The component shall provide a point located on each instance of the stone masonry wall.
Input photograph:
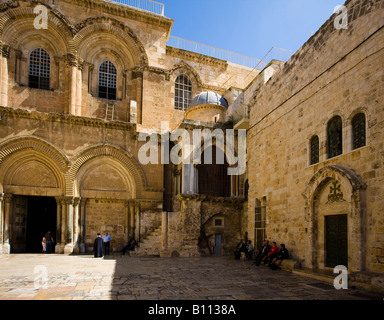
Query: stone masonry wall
(337, 72)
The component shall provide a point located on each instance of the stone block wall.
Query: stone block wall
(335, 73)
(105, 216)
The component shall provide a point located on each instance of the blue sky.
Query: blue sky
(249, 27)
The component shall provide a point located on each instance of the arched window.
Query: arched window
(315, 150)
(335, 137)
(107, 80)
(359, 131)
(39, 69)
(213, 178)
(183, 92)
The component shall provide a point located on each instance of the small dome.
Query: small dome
(209, 97)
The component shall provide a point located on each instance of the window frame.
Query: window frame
(36, 70)
(314, 159)
(183, 92)
(359, 141)
(107, 77)
(334, 132)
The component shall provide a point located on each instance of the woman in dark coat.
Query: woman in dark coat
(98, 247)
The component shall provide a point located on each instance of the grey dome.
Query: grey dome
(209, 97)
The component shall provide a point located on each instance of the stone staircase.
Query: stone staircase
(149, 245)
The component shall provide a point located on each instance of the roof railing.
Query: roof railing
(237, 58)
(210, 51)
(146, 5)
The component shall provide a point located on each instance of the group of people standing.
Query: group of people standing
(102, 245)
(271, 256)
(47, 243)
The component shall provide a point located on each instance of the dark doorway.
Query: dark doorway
(32, 218)
(336, 240)
(213, 177)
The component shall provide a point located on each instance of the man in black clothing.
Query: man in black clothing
(241, 247)
(130, 246)
(263, 252)
(98, 246)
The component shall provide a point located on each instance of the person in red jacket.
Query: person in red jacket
(271, 254)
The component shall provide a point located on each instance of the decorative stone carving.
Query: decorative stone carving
(335, 194)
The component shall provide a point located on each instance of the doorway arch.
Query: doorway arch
(335, 191)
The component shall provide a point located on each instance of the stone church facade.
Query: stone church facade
(76, 96)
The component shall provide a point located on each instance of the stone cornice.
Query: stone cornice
(126, 12)
(204, 198)
(66, 118)
(197, 57)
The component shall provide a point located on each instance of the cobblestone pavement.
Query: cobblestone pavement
(134, 278)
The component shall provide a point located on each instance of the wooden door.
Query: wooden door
(336, 240)
(19, 224)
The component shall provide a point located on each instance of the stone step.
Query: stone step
(150, 245)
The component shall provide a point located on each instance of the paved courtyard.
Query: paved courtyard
(134, 278)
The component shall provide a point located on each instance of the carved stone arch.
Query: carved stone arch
(353, 198)
(105, 177)
(110, 151)
(17, 21)
(17, 144)
(185, 68)
(31, 152)
(363, 110)
(106, 25)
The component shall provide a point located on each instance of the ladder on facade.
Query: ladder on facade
(110, 112)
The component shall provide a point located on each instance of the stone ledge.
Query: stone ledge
(290, 264)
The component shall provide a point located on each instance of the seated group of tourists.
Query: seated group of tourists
(271, 256)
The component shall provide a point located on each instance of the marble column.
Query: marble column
(68, 249)
(132, 218)
(58, 223)
(79, 82)
(7, 214)
(5, 52)
(76, 223)
(82, 225)
(63, 225)
(76, 66)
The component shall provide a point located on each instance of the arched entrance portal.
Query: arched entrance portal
(32, 218)
(335, 213)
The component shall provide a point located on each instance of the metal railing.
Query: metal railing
(146, 5)
(212, 52)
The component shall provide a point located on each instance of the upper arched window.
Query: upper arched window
(213, 178)
(335, 137)
(107, 80)
(359, 131)
(183, 92)
(315, 150)
(39, 69)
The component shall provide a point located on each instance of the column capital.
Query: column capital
(5, 50)
(72, 60)
(7, 198)
(76, 201)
